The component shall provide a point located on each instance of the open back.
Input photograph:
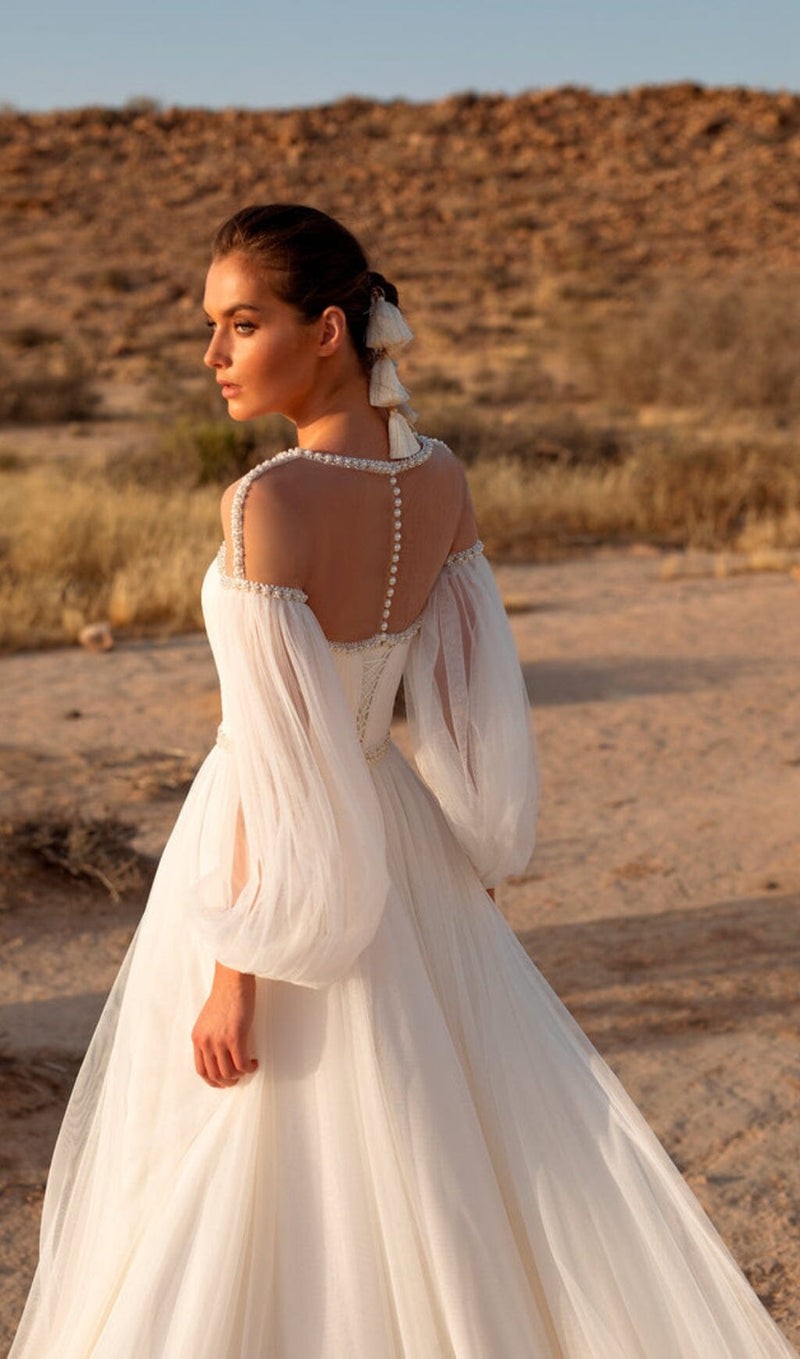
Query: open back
(381, 533)
(377, 534)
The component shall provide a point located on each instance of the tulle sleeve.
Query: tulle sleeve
(471, 731)
(295, 879)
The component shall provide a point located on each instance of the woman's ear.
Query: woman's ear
(334, 330)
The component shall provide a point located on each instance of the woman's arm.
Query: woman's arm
(221, 1034)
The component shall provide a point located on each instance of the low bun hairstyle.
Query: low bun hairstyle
(313, 262)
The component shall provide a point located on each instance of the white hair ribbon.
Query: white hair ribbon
(385, 387)
(387, 330)
(387, 334)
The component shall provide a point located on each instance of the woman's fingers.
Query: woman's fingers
(221, 1034)
(222, 1065)
(225, 1063)
(242, 1063)
(199, 1063)
(207, 1066)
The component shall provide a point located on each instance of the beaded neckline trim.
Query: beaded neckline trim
(387, 467)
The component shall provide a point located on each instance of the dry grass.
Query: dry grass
(75, 549)
(97, 850)
(72, 553)
(717, 346)
(738, 498)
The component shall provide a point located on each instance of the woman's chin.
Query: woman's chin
(238, 410)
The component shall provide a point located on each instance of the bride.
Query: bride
(331, 1110)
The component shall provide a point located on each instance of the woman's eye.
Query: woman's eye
(242, 327)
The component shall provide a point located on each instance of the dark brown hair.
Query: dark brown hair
(313, 261)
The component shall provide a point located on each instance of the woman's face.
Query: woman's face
(264, 352)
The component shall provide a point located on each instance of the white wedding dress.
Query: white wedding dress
(432, 1161)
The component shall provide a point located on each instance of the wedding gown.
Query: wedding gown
(432, 1161)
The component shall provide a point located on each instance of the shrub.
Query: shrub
(715, 347)
(204, 452)
(47, 399)
(562, 438)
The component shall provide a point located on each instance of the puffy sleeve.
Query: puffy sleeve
(294, 878)
(471, 731)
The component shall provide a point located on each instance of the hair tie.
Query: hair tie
(387, 334)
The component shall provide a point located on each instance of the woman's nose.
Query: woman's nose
(213, 357)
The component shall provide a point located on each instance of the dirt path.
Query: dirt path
(661, 904)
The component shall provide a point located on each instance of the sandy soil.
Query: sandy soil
(661, 902)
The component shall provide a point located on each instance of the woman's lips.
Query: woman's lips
(229, 389)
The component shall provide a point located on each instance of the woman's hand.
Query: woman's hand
(221, 1035)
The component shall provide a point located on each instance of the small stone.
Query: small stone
(96, 637)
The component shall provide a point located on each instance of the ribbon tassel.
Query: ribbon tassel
(385, 387)
(387, 329)
(387, 334)
(402, 439)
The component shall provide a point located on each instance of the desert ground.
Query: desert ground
(661, 902)
(604, 291)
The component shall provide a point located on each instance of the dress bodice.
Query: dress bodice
(370, 678)
(370, 670)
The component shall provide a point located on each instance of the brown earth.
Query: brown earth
(480, 207)
(662, 899)
(661, 902)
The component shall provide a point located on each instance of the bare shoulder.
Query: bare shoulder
(273, 531)
(445, 459)
(226, 507)
(454, 482)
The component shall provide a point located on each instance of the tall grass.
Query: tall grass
(737, 498)
(73, 550)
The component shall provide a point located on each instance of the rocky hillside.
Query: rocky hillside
(481, 208)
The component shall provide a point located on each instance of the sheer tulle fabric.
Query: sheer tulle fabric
(469, 720)
(296, 874)
(432, 1161)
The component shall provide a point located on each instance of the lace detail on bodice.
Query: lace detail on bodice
(373, 668)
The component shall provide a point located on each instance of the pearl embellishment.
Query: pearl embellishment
(456, 558)
(390, 468)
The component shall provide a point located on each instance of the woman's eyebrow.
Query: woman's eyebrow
(239, 306)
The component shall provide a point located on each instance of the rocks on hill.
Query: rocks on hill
(467, 202)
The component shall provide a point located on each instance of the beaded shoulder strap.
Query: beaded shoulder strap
(238, 578)
(466, 555)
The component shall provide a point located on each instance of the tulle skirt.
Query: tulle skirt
(432, 1161)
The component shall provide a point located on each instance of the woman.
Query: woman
(331, 1109)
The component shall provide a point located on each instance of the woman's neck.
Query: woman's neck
(358, 431)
